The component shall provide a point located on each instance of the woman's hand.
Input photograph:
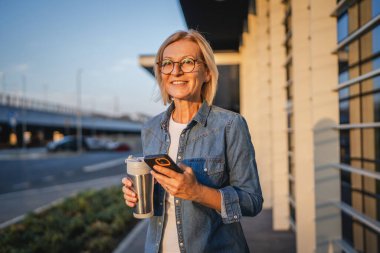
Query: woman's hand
(130, 196)
(183, 186)
(186, 186)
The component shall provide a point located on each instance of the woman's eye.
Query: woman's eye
(187, 61)
(166, 63)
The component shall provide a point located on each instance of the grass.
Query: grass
(92, 221)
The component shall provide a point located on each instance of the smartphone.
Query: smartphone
(162, 160)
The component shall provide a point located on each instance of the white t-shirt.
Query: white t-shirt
(170, 236)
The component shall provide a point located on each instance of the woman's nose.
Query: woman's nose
(177, 70)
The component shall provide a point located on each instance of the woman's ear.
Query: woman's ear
(208, 76)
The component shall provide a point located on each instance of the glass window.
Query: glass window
(344, 93)
(370, 108)
(343, 76)
(342, 26)
(347, 228)
(377, 149)
(344, 112)
(292, 213)
(376, 39)
(376, 79)
(370, 241)
(376, 101)
(360, 103)
(369, 66)
(375, 8)
(345, 150)
(355, 112)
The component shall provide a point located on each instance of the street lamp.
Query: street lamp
(46, 93)
(23, 111)
(2, 74)
(79, 113)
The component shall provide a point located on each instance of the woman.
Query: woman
(199, 210)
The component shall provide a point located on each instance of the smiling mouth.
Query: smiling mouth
(178, 82)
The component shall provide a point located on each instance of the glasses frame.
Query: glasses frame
(180, 66)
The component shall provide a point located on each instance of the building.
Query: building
(308, 78)
(26, 122)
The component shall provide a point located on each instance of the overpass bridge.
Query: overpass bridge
(39, 122)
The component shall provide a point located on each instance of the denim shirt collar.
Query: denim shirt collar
(200, 117)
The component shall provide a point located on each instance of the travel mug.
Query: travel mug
(139, 173)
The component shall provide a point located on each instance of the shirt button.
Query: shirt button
(160, 203)
(235, 216)
(205, 169)
(159, 223)
(179, 157)
(181, 244)
(178, 222)
(167, 140)
(177, 201)
(182, 135)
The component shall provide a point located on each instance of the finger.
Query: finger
(130, 204)
(165, 171)
(126, 181)
(130, 199)
(185, 168)
(168, 187)
(129, 191)
(161, 179)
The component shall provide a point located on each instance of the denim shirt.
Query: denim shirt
(217, 145)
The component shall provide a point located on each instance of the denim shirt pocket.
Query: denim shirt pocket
(209, 171)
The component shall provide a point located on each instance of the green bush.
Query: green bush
(92, 221)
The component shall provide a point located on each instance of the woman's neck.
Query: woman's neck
(185, 110)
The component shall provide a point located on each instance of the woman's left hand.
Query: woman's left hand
(183, 186)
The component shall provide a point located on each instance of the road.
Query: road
(23, 174)
(29, 182)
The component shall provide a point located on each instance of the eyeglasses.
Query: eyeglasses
(187, 65)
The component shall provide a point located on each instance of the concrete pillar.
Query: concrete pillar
(303, 127)
(263, 96)
(325, 115)
(255, 93)
(279, 121)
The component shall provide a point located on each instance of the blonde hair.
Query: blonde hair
(209, 88)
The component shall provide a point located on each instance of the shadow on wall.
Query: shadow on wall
(327, 183)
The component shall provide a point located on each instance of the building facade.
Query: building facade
(313, 69)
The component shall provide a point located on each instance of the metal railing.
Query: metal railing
(292, 201)
(359, 171)
(355, 35)
(341, 7)
(35, 104)
(368, 221)
(358, 79)
(358, 126)
(343, 245)
(292, 224)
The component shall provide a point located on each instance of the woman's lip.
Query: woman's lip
(178, 82)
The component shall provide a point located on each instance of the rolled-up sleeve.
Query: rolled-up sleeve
(243, 196)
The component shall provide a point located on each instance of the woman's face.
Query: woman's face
(180, 85)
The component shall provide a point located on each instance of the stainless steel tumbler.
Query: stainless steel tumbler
(139, 172)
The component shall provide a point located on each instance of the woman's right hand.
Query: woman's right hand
(130, 196)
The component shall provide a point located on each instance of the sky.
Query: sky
(47, 42)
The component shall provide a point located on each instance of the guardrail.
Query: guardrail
(34, 104)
